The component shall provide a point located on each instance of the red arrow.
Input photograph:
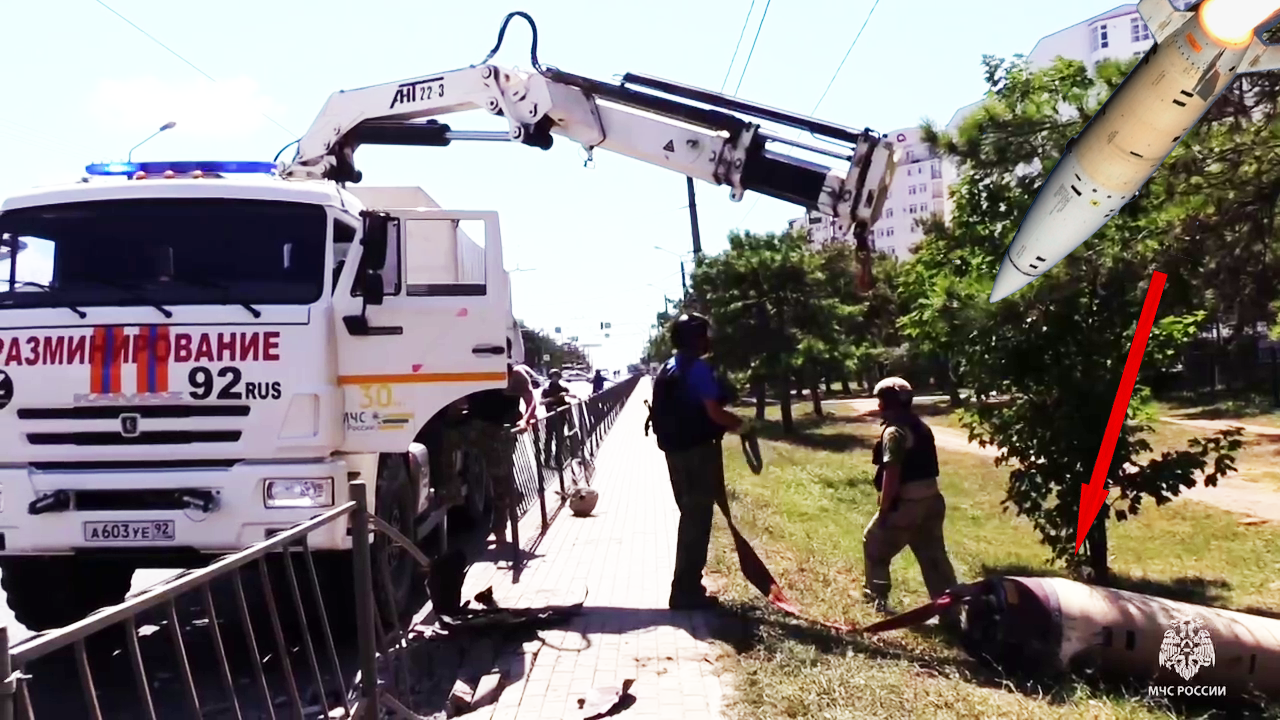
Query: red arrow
(1095, 493)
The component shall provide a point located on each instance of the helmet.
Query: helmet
(896, 389)
(555, 374)
(689, 328)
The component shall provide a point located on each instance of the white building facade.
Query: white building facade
(920, 184)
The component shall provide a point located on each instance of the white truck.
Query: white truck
(194, 356)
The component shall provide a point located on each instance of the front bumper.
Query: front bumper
(238, 516)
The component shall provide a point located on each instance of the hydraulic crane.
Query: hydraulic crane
(695, 132)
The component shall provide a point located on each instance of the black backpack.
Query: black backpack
(678, 421)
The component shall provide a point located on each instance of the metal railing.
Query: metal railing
(303, 656)
(562, 446)
(361, 698)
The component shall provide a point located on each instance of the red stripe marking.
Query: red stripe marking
(163, 350)
(115, 360)
(142, 352)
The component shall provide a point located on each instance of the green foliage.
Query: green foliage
(1054, 351)
(782, 309)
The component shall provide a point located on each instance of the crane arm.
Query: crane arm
(690, 131)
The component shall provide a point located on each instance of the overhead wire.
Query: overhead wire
(743, 33)
(752, 51)
(178, 55)
(830, 83)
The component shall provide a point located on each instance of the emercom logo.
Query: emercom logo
(1187, 648)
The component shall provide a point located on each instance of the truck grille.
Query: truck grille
(129, 432)
(157, 437)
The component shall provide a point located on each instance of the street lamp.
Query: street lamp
(683, 285)
(167, 126)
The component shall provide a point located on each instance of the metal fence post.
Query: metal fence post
(361, 562)
(8, 685)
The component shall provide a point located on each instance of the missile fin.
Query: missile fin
(1261, 58)
(1162, 18)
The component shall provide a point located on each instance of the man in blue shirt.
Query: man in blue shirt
(689, 419)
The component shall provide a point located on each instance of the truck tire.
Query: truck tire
(46, 593)
(397, 505)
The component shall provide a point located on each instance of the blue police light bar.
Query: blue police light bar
(180, 168)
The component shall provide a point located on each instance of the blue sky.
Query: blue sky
(80, 85)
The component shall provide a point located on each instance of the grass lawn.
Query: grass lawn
(805, 515)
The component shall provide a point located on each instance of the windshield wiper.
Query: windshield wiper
(136, 295)
(46, 288)
(213, 284)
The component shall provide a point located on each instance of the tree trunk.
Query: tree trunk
(950, 384)
(784, 399)
(844, 387)
(817, 399)
(829, 384)
(761, 390)
(1097, 543)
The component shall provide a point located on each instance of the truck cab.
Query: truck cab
(194, 356)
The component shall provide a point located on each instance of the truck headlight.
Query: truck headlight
(297, 492)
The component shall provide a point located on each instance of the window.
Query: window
(888, 212)
(923, 188)
(1138, 30)
(888, 232)
(937, 189)
(911, 156)
(168, 252)
(1102, 36)
(911, 209)
(1093, 39)
(442, 259)
(911, 190)
(936, 173)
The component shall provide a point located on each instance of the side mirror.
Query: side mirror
(375, 240)
(371, 288)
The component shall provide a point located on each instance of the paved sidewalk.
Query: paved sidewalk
(624, 556)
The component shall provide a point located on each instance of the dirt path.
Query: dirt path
(1257, 502)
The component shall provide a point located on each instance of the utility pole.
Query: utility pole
(693, 223)
(683, 285)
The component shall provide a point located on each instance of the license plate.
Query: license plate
(130, 531)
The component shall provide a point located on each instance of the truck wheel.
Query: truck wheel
(49, 593)
(396, 505)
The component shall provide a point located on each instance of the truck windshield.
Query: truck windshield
(162, 252)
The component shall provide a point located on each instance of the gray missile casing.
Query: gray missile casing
(1047, 625)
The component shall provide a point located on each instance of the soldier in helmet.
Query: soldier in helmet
(689, 419)
(912, 509)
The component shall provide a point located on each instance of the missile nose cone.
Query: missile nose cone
(1009, 280)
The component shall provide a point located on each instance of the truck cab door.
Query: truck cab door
(421, 314)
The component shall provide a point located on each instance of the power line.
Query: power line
(745, 22)
(183, 59)
(825, 91)
(752, 51)
(846, 57)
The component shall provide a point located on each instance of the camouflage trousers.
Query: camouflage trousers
(497, 446)
(916, 523)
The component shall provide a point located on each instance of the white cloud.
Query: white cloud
(232, 107)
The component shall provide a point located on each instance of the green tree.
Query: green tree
(1052, 354)
(779, 309)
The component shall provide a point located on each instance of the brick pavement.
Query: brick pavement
(623, 556)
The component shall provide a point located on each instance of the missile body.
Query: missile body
(1049, 625)
(1121, 147)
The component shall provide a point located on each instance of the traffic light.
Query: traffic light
(557, 330)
